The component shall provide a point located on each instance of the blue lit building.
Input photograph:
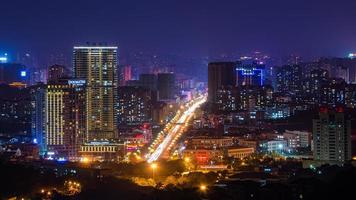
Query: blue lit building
(38, 125)
(250, 75)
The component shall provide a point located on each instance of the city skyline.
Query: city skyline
(173, 99)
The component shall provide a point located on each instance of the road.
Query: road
(175, 130)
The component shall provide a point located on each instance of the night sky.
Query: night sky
(186, 27)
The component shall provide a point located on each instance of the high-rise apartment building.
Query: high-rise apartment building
(332, 136)
(135, 105)
(166, 85)
(98, 66)
(220, 74)
(148, 81)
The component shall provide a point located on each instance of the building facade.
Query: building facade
(97, 65)
(332, 136)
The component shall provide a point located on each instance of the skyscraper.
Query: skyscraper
(148, 81)
(220, 74)
(332, 136)
(58, 122)
(98, 65)
(166, 86)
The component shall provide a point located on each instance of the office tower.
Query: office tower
(57, 72)
(135, 105)
(166, 86)
(332, 136)
(250, 75)
(59, 120)
(220, 74)
(148, 81)
(289, 79)
(97, 66)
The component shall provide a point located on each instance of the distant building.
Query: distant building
(297, 139)
(57, 72)
(209, 142)
(227, 99)
(220, 74)
(289, 79)
(332, 136)
(135, 105)
(278, 111)
(250, 75)
(166, 86)
(148, 81)
(275, 145)
(125, 74)
(240, 152)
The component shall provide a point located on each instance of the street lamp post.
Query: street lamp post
(153, 167)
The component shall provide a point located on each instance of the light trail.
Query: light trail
(173, 133)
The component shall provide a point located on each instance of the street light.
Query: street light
(203, 188)
(153, 167)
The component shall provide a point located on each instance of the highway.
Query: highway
(175, 130)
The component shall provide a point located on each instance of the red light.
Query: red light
(323, 110)
(340, 109)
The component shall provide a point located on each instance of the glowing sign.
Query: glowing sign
(23, 74)
(352, 55)
(3, 59)
(76, 82)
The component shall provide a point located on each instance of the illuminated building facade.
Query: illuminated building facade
(250, 75)
(332, 136)
(59, 120)
(134, 105)
(289, 79)
(101, 150)
(98, 65)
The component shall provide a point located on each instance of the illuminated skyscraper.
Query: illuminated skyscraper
(59, 120)
(98, 65)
